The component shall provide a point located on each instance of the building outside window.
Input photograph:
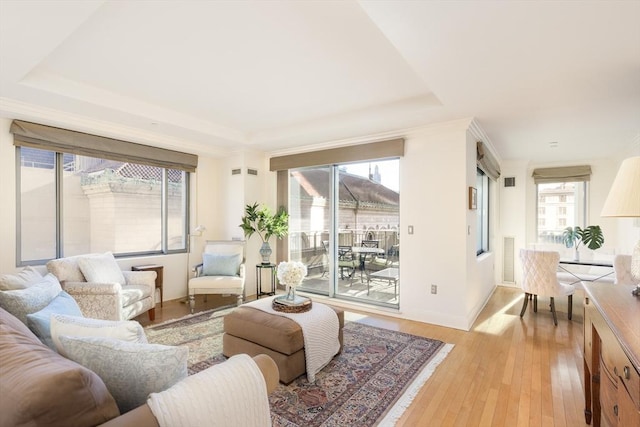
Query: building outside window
(560, 205)
(72, 204)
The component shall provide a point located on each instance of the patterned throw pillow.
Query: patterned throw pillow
(101, 269)
(130, 371)
(220, 265)
(40, 321)
(74, 326)
(21, 302)
(23, 279)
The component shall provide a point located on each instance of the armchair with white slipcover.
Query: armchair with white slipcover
(222, 271)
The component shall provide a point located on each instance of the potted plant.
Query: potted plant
(260, 220)
(590, 236)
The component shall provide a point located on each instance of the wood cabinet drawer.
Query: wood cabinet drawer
(628, 412)
(608, 398)
(627, 377)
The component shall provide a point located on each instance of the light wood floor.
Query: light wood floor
(506, 371)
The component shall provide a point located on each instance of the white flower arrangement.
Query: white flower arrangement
(291, 273)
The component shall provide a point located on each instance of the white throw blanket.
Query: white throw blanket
(320, 327)
(233, 393)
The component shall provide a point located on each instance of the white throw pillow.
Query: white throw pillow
(21, 280)
(37, 296)
(130, 371)
(101, 269)
(74, 326)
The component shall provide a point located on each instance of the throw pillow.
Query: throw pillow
(23, 279)
(21, 302)
(220, 265)
(73, 326)
(131, 371)
(40, 321)
(40, 387)
(101, 269)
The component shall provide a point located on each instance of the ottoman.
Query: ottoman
(252, 331)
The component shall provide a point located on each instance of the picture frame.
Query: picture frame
(473, 198)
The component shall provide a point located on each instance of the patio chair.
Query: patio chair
(540, 268)
(347, 261)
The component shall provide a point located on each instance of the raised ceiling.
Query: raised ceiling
(220, 76)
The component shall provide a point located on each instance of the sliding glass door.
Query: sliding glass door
(344, 223)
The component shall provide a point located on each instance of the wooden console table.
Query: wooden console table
(611, 355)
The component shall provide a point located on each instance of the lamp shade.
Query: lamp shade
(624, 197)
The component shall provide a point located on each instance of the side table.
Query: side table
(272, 272)
(159, 273)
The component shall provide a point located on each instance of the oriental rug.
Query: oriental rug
(371, 382)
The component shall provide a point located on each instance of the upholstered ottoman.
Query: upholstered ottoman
(252, 331)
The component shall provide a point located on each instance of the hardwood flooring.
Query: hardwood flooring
(506, 371)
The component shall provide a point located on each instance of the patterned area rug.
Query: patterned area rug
(371, 382)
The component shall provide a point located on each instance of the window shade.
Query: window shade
(562, 174)
(486, 162)
(67, 141)
(353, 153)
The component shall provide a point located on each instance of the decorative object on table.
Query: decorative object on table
(259, 219)
(291, 274)
(590, 236)
(623, 202)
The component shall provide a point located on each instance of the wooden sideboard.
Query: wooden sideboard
(611, 355)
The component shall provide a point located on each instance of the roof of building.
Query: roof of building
(352, 188)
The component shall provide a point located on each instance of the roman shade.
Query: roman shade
(353, 153)
(562, 174)
(33, 135)
(487, 162)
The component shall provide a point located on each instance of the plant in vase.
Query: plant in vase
(590, 236)
(291, 274)
(261, 221)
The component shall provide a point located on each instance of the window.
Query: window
(344, 224)
(72, 204)
(482, 185)
(568, 208)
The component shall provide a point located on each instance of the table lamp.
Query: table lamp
(624, 201)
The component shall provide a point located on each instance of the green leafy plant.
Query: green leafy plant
(260, 220)
(590, 236)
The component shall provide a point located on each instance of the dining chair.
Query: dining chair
(540, 268)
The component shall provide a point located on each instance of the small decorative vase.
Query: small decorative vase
(576, 255)
(291, 293)
(265, 252)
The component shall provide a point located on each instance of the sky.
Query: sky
(389, 171)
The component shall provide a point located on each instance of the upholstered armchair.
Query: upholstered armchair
(222, 271)
(102, 290)
(540, 268)
(622, 270)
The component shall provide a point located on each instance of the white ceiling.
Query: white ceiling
(219, 76)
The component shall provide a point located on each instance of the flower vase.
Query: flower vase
(265, 252)
(576, 255)
(291, 293)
